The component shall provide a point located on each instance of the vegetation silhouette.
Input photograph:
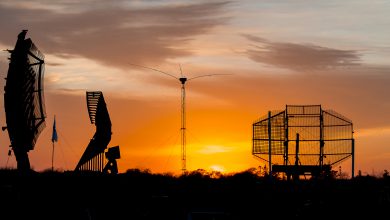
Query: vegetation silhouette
(140, 194)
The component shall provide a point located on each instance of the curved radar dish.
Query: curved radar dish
(23, 99)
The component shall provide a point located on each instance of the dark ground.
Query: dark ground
(141, 195)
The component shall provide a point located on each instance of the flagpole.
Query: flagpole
(52, 158)
(54, 138)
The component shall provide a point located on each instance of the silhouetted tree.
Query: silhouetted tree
(385, 173)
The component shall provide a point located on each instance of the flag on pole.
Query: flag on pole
(54, 137)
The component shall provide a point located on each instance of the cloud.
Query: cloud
(299, 56)
(360, 93)
(115, 34)
(213, 149)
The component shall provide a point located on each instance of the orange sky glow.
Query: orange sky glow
(333, 53)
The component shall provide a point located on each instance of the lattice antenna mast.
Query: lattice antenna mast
(183, 128)
(183, 142)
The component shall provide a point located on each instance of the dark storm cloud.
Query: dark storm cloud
(114, 35)
(300, 56)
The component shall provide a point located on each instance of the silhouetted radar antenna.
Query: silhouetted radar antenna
(182, 80)
(24, 99)
(93, 156)
(303, 139)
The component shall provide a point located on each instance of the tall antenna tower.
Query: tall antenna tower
(182, 79)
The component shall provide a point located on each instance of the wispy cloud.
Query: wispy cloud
(213, 149)
(116, 34)
(299, 56)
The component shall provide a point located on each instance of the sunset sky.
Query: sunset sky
(334, 53)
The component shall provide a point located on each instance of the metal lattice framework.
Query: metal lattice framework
(23, 98)
(93, 156)
(303, 135)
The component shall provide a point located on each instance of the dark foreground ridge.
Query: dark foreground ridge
(142, 195)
